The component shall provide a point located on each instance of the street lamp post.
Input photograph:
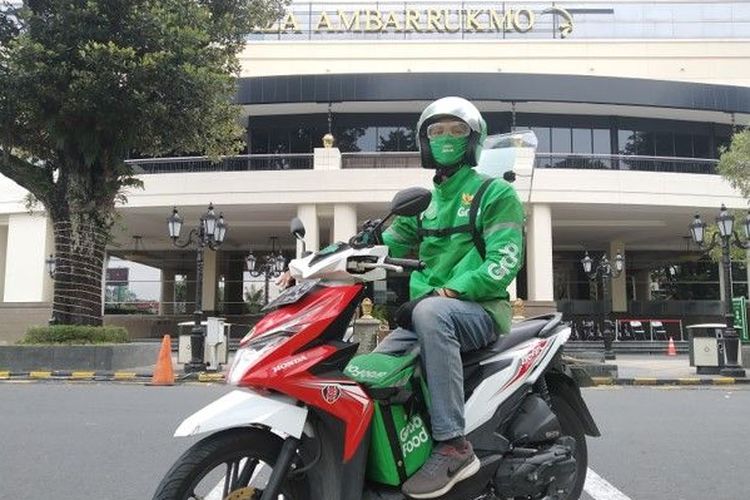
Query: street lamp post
(726, 237)
(210, 233)
(51, 262)
(605, 271)
(272, 266)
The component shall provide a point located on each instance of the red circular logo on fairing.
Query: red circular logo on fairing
(331, 393)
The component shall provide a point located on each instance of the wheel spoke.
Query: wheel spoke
(247, 472)
(228, 480)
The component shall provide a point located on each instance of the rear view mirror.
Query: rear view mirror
(297, 228)
(411, 201)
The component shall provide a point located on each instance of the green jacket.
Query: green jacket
(453, 261)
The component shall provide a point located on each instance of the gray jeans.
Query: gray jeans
(444, 328)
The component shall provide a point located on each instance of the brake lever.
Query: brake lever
(378, 265)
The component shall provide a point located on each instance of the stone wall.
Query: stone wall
(144, 326)
(17, 317)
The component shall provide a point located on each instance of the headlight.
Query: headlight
(246, 357)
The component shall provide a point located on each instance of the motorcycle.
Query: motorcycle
(314, 421)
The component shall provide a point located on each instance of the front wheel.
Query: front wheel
(229, 465)
(571, 426)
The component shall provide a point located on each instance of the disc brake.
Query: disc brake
(246, 493)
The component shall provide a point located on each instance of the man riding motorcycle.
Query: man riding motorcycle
(471, 241)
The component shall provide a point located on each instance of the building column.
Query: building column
(643, 285)
(208, 291)
(344, 221)
(166, 299)
(513, 290)
(29, 243)
(3, 246)
(619, 290)
(539, 255)
(722, 295)
(234, 301)
(308, 214)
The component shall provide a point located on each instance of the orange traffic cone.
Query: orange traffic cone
(163, 371)
(671, 351)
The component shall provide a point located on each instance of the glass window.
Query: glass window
(601, 144)
(722, 141)
(645, 143)
(278, 141)
(300, 140)
(355, 139)
(663, 144)
(259, 140)
(396, 139)
(543, 138)
(626, 142)
(582, 141)
(701, 147)
(561, 140)
(683, 145)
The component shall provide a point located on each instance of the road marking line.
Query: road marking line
(599, 488)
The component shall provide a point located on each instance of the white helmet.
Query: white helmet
(455, 107)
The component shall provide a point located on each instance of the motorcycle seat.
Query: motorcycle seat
(520, 332)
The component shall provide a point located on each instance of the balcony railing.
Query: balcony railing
(410, 159)
(237, 163)
(385, 159)
(626, 162)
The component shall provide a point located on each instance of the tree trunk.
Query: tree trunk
(79, 255)
(81, 229)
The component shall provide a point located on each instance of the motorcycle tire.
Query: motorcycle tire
(205, 455)
(571, 426)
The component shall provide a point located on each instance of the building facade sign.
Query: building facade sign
(421, 20)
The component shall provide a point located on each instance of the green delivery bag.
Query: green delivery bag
(400, 438)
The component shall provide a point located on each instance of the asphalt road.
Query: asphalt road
(106, 441)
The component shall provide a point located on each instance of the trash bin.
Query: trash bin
(215, 344)
(706, 346)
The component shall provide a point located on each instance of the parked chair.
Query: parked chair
(658, 331)
(638, 332)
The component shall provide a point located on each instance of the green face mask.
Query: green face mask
(448, 150)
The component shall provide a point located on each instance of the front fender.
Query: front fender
(245, 408)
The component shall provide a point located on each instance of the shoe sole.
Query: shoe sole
(466, 472)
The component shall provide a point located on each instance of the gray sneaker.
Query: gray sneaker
(445, 467)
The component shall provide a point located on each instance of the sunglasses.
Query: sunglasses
(454, 129)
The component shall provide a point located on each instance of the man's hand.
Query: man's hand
(448, 293)
(285, 280)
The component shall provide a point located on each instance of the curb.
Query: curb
(89, 376)
(651, 381)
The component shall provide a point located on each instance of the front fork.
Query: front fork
(280, 468)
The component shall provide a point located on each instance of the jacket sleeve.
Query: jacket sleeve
(501, 222)
(401, 236)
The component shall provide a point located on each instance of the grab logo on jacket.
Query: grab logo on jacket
(510, 258)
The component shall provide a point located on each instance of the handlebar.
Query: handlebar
(417, 265)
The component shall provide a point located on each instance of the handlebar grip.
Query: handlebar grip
(406, 263)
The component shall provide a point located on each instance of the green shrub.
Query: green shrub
(75, 334)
